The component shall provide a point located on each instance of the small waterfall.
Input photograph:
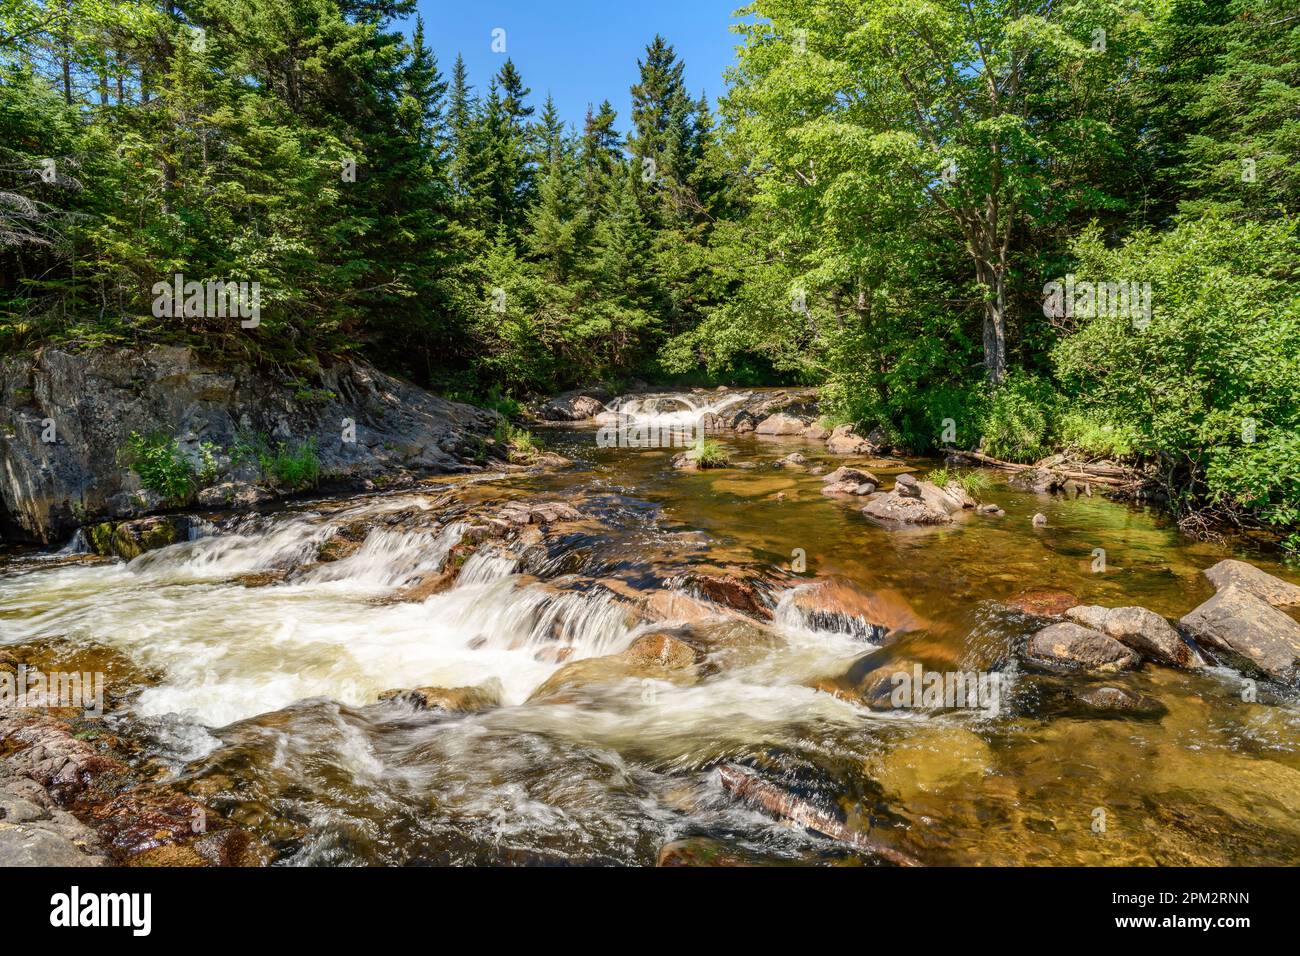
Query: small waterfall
(389, 559)
(675, 419)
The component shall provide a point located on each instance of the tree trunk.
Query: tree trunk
(994, 278)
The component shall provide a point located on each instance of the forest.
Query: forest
(1013, 225)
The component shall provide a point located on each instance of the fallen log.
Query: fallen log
(1112, 475)
(753, 789)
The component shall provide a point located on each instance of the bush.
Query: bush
(518, 442)
(1090, 435)
(972, 482)
(160, 464)
(289, 466)
(1016, 423)
(1209, 386)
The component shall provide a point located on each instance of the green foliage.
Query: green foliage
(161, 466)
(974, 483)
(1087, 433)
(1017, 422)
(1208, 387)
(292, 466)
(519, 442)
(709, 453)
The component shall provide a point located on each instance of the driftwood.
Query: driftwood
(753, 789)
(1113, 475)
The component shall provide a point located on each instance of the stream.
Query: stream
(260, 668)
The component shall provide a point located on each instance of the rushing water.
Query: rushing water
(263, 698)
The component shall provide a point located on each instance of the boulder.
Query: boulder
(781, 424)
(130, 539)
(661, 649)
(1040, 480)
(1069, 646)
(912, 502)
(849, 481)
(845, 441)
(574, 406)
(1263, 585)
(1144, 631)
(795, 459)
(729, 590)
(1249, 631)
(837, 605)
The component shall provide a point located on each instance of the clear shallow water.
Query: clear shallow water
(265, 703)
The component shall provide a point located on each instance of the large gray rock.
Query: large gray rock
(912, 502)
(1069, 646)
(782, 424)
(844, 440)
(574, 406)
(1140, 629)
(95, 399)
(35, 832)
(1263, 585)
(1251, 632)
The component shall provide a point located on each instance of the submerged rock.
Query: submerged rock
(1120, 701)
(1144, 631)
(1250, 631)
(451, 700)
(661, 658)
(1043, 601)
(1070, 646)
(751, 788)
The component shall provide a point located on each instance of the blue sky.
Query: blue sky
(582, 51)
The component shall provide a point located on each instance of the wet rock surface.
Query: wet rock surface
(1144, 631)
(1067, 645)
(1249, 631)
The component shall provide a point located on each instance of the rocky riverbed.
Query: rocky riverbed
(615, 660)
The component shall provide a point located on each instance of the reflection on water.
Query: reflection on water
(265, 707)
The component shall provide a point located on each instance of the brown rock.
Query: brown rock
(1263, 585)
(1043, 601)
(451, 700)
(781, 424)
(1253, 633)
(1069, 646)
(845, 441)
(1144, 631)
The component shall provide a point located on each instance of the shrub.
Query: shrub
(972, 482)
(160, 464)
(1209, 384)
(1091, 435)
(1017, 421)
(289, 466)
(518, 442)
